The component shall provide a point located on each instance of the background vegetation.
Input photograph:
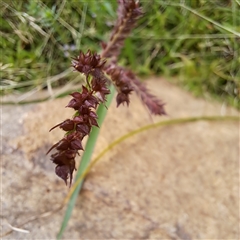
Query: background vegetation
(195, 43)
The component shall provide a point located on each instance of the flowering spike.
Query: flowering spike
(128, 13)
(85, 102)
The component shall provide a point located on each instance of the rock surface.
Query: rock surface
(175, 182)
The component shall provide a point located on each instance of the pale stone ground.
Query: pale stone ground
(176, 182)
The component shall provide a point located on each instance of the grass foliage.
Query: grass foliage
(196, 40)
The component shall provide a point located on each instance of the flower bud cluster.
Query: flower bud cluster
(85, 104)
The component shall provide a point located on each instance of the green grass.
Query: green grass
(197, 43)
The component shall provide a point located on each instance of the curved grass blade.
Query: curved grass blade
(137, 131)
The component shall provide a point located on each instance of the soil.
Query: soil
(175, 182)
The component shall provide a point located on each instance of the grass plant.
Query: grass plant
(39, 37)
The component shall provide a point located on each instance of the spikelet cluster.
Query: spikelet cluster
(100, 71)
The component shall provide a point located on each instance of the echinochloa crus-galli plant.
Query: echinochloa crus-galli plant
(100, 71)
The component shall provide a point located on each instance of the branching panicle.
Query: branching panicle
(85, 103)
